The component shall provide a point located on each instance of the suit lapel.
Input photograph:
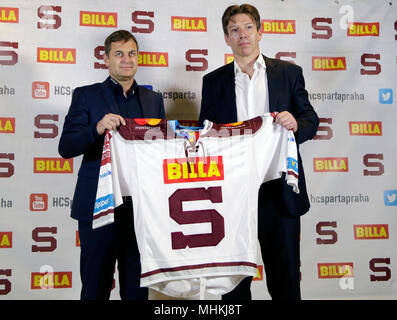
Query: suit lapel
(144, 102)
(230, 88)
(272, 83)
(109, 98)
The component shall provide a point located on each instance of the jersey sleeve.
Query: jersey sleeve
(292, 174)
(276, 153)
(108, 194)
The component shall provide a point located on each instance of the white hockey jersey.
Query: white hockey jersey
(195, 196)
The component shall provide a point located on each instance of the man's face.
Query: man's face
(122, 61)
(243, 37)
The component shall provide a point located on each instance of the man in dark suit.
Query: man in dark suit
(94, 109)
(250, 86)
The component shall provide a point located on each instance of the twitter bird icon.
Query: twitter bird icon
(385, 96)
(390, 197)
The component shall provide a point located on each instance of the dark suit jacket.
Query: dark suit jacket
(286, 93)
(79, 137)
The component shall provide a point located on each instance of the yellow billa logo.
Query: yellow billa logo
(51, 280)
(56, 55)
(328, 63)
(331, 164)
(362, 29)
(153, 59)
(52, 165)
(229, 58)
(335, 270)
(199, 169)
(5, 240)
(371, 231)
(98, 19)
(278, 26)
(198, 24)
(365, 128)
(9, 15)
(7, 125)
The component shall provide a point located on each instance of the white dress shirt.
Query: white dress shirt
(252, 95)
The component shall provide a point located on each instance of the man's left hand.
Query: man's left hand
(287, 120)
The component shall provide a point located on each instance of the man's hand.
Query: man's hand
(110, 122)
(287, 120)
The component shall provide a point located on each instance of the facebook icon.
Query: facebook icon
(385, 96)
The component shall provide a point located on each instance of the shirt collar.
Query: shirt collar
(116, 87)
(259, 63)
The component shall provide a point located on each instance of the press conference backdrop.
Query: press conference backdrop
(348, 53)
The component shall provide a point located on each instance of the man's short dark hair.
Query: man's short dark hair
(236, 9)
(119, 35)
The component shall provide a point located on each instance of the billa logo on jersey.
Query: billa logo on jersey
(52, 165)
(5, 240)
(259, 273)
(198, 24)
(335, 270)
(328, 63)
(229, 58)
(9, 15)
(278, 26)
(98, 19)
(362, 29)
(51, 280)
(56, 55)
(153, 59)
(38, 202)
(371, 231)
(331, 164)
(365, 128)
(199, 169)
(7, 125)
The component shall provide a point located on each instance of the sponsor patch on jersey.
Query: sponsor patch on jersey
(292, 164)
(147, 121)
(104, 203)
(196, 169)
(234, 124)
(105, 174)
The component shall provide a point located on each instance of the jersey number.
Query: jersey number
(181, 241)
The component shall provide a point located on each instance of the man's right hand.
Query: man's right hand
(110, 122)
